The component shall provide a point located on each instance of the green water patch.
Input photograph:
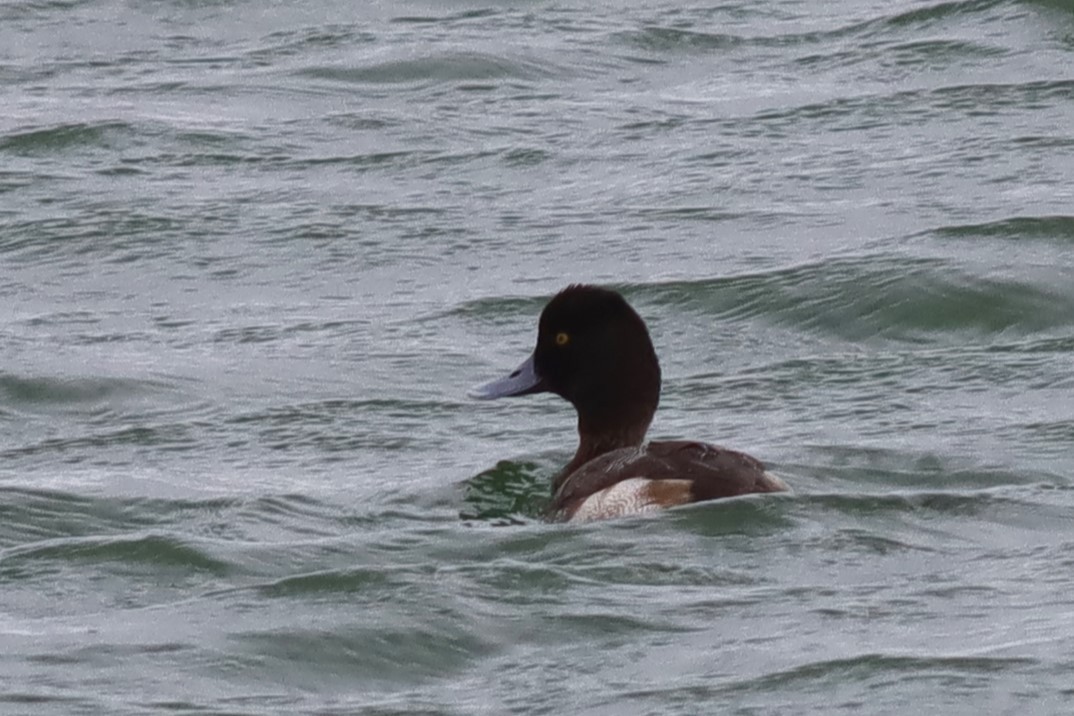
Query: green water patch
(52, 393)
(508, 493)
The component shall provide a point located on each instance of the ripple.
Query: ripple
(465, 15)
(873, 666)
(389, 651)
(30, 515)
(668, 39)
(362, 580)
(444, 67)
(178, 437)
(32, 519)
(913, 54)
(287, 43)
(62, 138)
(915, 106)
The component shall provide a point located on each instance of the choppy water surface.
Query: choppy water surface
(253, 254)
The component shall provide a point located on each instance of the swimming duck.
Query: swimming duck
(594, 351)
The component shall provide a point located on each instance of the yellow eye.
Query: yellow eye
(562, 339)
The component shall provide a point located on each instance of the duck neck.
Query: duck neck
(594, 443)
(591, 445)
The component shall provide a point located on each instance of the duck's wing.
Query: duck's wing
(699, 471)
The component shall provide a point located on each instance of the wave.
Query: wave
(1058, 228)
(159, 550)
(33, 515)
(878, 295)
(858, 297)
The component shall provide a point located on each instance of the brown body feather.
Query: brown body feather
(711, 471)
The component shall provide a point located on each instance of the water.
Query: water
(252, 255)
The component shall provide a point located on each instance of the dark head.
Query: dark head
(593, 350)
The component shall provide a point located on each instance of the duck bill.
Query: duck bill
(523, 380)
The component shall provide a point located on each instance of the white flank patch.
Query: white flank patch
(629, 497)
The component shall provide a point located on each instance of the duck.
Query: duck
(594, 351)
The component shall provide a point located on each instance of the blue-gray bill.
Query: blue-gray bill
(523, 380)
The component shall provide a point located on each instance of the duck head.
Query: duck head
(594, 351)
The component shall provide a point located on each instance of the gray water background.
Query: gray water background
(253, 254)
